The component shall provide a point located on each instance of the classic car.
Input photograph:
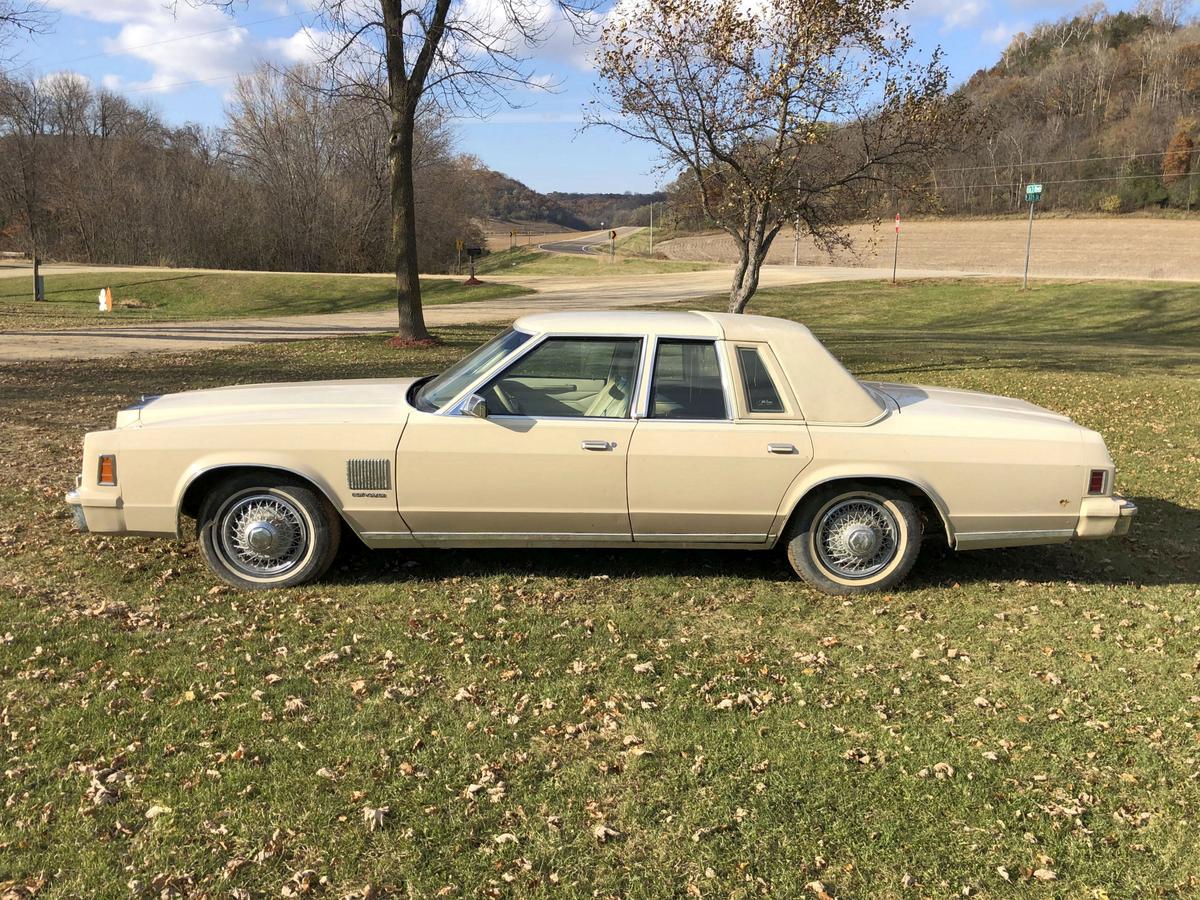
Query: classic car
(603, 429)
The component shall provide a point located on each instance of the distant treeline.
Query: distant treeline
(296, 179)
(502, 197)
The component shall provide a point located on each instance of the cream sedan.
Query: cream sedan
(614, 429)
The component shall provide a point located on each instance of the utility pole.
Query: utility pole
(796, 242)
(651, 227)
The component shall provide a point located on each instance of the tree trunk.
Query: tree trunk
(754, 245)
(411, 325)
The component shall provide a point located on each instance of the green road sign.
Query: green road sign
(1033, 192)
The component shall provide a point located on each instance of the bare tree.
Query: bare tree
(24, 111)
(779, 111)
(462, 56)
(21, 17)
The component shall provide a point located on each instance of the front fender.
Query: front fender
(276, 461)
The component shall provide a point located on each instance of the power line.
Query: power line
(175, 84)
(1018, 184)
(1051, 162)
(183, 37)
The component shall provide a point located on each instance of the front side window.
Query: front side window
(568, 377)
(445, 387)
(761, 396)
(687, 381)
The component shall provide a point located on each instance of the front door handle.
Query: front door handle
(596, 445)
(784, 449)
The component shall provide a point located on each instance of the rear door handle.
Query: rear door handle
(783, 449)
(597, 445)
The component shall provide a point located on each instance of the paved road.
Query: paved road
(584, 244)
(553, 293)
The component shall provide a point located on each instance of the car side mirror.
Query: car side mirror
(475, 406)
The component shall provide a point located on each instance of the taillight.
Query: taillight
(106, 472)
(1096, 481)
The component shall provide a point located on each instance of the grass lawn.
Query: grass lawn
(141, 296)
(521, 261)
(637, 243)
(644, 723)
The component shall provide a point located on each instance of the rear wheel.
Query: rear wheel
(259, 531)
(855, 538)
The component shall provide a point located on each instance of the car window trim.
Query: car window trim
(455, 402)
(722, 367)
(750, 411)
(532, 345)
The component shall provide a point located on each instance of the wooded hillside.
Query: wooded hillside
(1101, 108)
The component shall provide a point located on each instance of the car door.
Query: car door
(703, 467)
(547, 464)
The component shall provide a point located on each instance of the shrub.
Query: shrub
(1110, 203)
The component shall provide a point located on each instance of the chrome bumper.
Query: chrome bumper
(76, 505)
(1102, 517)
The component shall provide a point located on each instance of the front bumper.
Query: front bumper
(96, 510)
(1102, 517)
(76, 506)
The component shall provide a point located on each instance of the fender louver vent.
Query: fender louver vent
(369, 474)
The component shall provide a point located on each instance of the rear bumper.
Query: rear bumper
(1102, 517)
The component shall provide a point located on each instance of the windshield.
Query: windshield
(439, 391)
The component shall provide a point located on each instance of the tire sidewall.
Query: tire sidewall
(802, 542)
(319, 522)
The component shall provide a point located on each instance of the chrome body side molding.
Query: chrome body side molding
(984, 540)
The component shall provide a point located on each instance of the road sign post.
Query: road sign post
(473, 253)
(896, 251)
(1033, 193)
(612, 245)
(458, 248)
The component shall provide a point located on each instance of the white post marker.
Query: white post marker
(1033, 193)
(896, 252)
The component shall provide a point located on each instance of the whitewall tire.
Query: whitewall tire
(853, 538)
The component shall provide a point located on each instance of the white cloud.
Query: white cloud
(1000, 34)
(179, 42)
(112, 82)
(951, 14)
(302, 47)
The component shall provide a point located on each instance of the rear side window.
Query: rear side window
(761, 395)
(687, 381)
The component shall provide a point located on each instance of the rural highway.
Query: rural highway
(582, 244)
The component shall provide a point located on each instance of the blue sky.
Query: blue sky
(183, 62)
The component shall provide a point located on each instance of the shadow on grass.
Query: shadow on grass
(95, 289)
(1157, 552)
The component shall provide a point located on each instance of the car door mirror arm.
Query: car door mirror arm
(475, 406)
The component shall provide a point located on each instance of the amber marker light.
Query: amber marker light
(106, 472)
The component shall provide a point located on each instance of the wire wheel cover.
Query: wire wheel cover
(262, 535)
(857, 538)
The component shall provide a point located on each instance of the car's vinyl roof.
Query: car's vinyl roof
(676, 323)
(672, 322)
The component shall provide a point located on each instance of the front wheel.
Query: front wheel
(855, 538)
(259, 532)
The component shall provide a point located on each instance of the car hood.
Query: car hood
(315, 401)
(921, 399)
